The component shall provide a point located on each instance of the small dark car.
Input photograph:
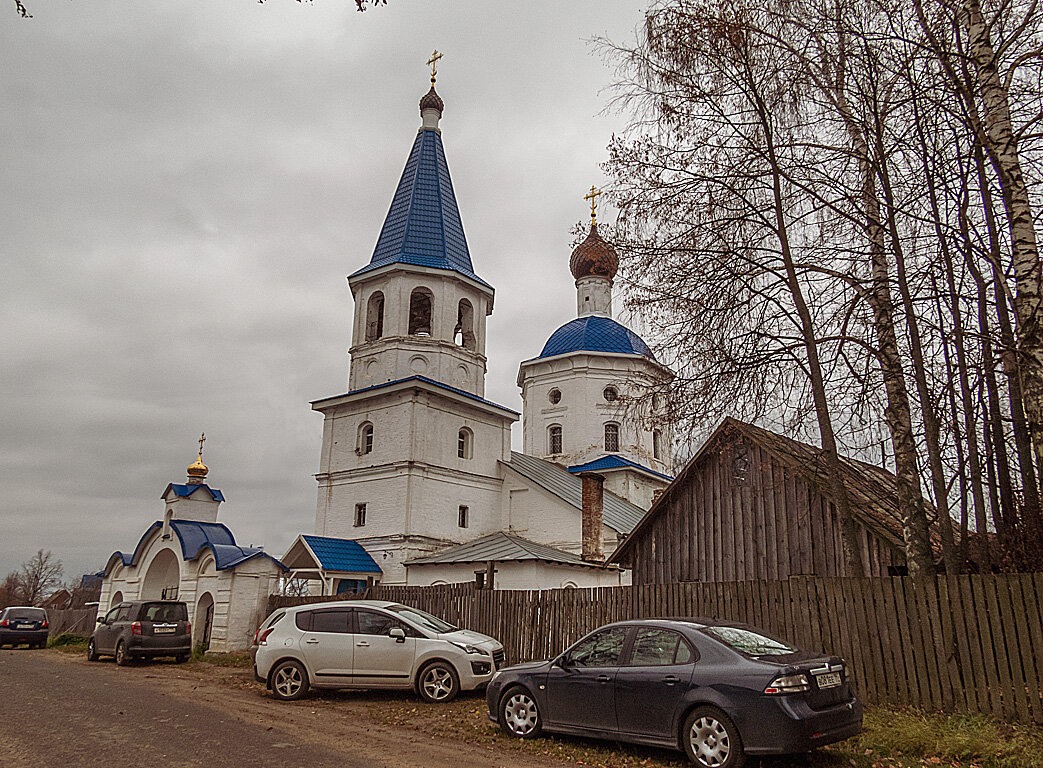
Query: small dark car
(143, 628)
(716, 690)
(20, 625)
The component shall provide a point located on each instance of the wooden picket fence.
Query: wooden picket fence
(964, 643)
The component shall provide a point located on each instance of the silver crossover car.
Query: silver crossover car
(370, 644)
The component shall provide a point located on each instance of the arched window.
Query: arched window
(657, 444)
(375, 317)
(464, 332)
(554, 438)
(611, 437)
(365, 439)
(464, 440)
(421, 303)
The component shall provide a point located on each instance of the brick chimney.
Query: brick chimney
(593, 516)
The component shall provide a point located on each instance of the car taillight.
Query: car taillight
(45, 624)
(3, 622)
(135, 628)
(188, 627)
(788, 684)
(262, 637)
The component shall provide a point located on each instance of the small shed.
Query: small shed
(753, 504)
(338, 565)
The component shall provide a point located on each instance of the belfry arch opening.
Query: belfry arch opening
(375, 317)
(463, 334)
(421, 305)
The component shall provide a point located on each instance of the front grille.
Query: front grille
(498, 658)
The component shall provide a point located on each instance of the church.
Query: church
(416, 465)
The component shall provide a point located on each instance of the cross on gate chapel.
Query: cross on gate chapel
(417, 482)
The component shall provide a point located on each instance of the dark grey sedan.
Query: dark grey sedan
(716, 690)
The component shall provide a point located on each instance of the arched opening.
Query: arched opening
(421, 304)
(206, 567)
(116, 600)
(375, 317)
(554, 438)
(163, 577)
(657, 444)
(365, 444)
(464, 443)
(204, 622)
(463, 334)
(611, 437)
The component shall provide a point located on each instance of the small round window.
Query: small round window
(554, 396)
(611, 394)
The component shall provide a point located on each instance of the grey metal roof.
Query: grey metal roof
(620, 515)
(501, 547)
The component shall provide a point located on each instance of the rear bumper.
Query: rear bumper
(792, 726)
(17, 637)
(159, 646)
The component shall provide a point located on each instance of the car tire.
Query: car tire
(289, 680)
(122, 657)
(520, 714)
(92, 650)
(711, 740)
(438, 682)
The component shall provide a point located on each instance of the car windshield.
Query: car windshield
(421, 619)
(164, 612)
(749, 642)
(27, 614)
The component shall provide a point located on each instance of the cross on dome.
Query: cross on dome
(592, 197)
(197, 470)
(433, 61)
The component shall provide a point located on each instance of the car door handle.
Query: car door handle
(604, 678)
(671, 680)
(362, 644)
(312, 641)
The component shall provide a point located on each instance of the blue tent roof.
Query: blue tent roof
(188, 490)
(345, 555)
(613, 462)
(595, 333)
(423, 226)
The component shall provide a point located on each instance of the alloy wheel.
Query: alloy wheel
(288, 681)
(438, 683)
(710, 741)
(520, 714)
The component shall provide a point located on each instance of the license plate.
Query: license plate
(25, 626)
(829, 680)
(164, 630)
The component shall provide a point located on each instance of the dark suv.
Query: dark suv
(143, 628)
(23, 625)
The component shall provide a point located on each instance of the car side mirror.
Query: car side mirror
(398, 633)
(101, 620)
(562, 661)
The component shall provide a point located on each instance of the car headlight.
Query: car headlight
(469, 649)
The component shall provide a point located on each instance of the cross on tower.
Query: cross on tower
(433, 61)
(592, 197)
(202, 439)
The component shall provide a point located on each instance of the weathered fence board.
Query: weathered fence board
(965, 643)
(76, 621)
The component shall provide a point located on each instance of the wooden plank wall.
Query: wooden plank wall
(969, 643)
(75, 621)
(767, 523)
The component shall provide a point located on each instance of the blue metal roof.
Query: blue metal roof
(438, 384)
(595, 333)
(613, 462)
(423, 226)
(187, 490)
(345, 555)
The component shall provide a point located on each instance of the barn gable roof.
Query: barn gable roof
(872, 489)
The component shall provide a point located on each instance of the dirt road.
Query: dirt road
(57, 711)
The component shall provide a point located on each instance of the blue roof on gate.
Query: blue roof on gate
(595, 333)
(423, 226)
(345, 555)
(613, 462)
(187, 490)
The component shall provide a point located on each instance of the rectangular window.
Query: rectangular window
(611, 437)
(555, 439)
(360, 515)
(462, 520)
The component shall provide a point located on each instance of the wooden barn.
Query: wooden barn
(752, 504)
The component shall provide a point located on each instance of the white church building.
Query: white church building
(416, 464)
(189, 556)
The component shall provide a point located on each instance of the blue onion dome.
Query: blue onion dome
(431, 100)
(595, 333)
(594, 256)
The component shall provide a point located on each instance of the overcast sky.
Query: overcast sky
(185, 188)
